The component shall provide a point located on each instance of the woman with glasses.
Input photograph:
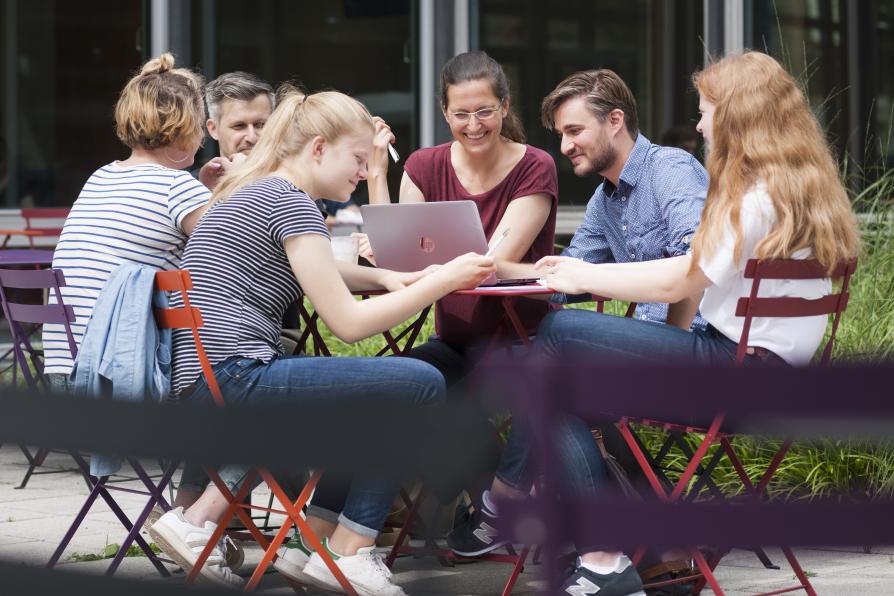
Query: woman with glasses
(513, 184)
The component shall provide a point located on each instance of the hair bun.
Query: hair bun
(163, 63)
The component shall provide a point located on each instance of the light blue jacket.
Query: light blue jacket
(123, 355)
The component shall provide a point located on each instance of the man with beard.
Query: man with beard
(239, 104)
(651, 197)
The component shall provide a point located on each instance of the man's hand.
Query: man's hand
(564, 274)
(214, 170)
(397, 280)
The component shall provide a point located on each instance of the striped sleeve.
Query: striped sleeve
(186, 194)
(294, 213)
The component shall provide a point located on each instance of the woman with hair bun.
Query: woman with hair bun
(139, 210)
(262, 246)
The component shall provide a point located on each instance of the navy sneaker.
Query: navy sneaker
(583, 582)
(477, 535)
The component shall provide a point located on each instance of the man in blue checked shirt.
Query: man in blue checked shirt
(650, 202)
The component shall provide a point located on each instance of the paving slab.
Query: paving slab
(33, 520)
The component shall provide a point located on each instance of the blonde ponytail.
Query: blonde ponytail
(297, 119)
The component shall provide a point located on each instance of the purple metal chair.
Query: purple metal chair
(102, 486)
(26, 357)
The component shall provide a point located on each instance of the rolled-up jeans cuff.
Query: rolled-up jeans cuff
(234, 475)
(519, 485)
(355, 527)
(322, 513)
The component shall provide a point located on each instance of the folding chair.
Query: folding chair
(25, 356)
(748, 307)
(189, 317)
(36, 224)
(101, 486)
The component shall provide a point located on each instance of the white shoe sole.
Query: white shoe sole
(324, 586)
(484, 551)
(166, 539)
(293, 572)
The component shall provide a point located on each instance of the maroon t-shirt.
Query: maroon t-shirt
(461, 320)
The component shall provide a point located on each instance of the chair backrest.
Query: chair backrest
(185, 317)
(789, 306)
(36, 218)
(17, 312)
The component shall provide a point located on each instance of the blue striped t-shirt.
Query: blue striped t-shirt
(242, 280)
(124, 214)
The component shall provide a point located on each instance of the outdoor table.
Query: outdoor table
(24, 257)
(392, 345)
(506, 294)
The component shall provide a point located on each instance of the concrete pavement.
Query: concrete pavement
(33, 521)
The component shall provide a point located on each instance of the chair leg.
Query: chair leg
(517, 570)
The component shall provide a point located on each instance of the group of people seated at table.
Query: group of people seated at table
(659, 230)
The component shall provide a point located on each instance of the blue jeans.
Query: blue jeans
(573, 333)
(321, 381)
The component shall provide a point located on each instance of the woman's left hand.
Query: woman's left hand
(564, 274)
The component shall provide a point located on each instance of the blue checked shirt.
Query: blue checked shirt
(652, 214)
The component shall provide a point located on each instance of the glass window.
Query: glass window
(540, 43)
(58, 93)
(360, 48)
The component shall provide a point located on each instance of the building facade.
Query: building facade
(65, 62)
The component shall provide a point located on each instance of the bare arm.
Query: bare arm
(525, 218)
(661, 280)
(372, 278)
(680, 314)
(191, 220)
(350, 320)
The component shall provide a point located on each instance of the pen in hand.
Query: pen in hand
(393, 153)
(490, 251)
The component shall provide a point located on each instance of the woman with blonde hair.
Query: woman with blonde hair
(261, 247)
(140, 210)
(774, 193)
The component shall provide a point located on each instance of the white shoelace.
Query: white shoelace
(380, 566)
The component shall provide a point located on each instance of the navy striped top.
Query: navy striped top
(124, 214)
(242, 280)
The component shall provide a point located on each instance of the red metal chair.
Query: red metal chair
(714, 434)
(189, 317)
(39, 223)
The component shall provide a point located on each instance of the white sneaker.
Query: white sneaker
(184, 542)
(291, 558)
(366, 571)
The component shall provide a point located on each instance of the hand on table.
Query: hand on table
(467, 271)
(563, 274)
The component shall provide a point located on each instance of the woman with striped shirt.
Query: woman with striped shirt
(139, 210)
(262, 246)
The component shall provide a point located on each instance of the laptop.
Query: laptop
(412, 236)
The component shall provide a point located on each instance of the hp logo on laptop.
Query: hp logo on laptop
(427, 244)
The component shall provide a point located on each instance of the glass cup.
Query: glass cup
(345, 248)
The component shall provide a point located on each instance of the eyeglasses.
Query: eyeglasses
(481, 115)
